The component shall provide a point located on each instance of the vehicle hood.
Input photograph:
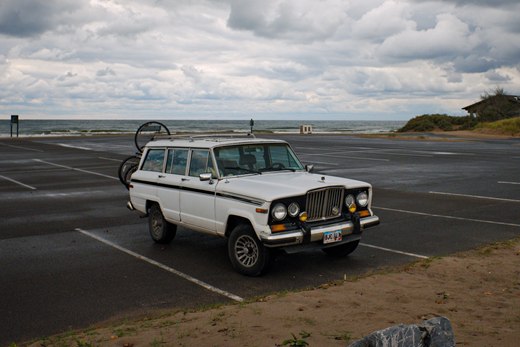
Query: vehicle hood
(277, 185)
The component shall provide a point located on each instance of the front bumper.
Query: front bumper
(316, 234)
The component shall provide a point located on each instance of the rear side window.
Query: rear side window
(177, 159)
(201, 162)
(154, 160)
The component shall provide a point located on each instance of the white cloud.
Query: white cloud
(450, 37)
(389, 19)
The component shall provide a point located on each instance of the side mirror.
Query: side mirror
(205, 176)
(309, 167)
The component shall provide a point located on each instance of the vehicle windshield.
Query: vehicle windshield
(255, 158)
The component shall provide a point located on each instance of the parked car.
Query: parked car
(254, 192)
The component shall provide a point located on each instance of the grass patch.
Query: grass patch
(510, 126)
(297, 341)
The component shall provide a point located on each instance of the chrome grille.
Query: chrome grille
(324, 203)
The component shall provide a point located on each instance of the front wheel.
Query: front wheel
(247, 254)
(341, 250)
(160, 230)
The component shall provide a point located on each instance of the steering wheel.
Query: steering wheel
(277, 166)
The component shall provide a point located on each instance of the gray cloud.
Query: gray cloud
(105, 72)
(485, 3)
(25, 18)
(285, 19)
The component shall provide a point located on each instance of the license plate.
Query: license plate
(332, 236)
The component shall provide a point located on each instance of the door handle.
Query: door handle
(185, 179)
(162, 176)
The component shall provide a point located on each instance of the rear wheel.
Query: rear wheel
(160, 230)
(247, 254)
(341, 250)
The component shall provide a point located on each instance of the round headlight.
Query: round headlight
(293, 209)
(279, 211)
(362, 199)
(349, 200)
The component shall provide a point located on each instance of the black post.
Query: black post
(14, 120)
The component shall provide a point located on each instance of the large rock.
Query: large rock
(435, 332)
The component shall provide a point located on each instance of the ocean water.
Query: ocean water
(91, 127)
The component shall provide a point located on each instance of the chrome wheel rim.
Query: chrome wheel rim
(157, 225)
(246, 251)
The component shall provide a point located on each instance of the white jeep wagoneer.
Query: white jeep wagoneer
(255, 192)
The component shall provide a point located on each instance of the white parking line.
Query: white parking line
(76, 169)
(385, 152)
(319, 162)
(72, 146)
(504, 182)
(475, 196)
(358, 158)
(338, 155)
(394, 251)
(111, 159)
(17, 182)
(27, 148)
(164, 267)
(447, 217)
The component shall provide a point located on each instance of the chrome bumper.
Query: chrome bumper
(296, 237)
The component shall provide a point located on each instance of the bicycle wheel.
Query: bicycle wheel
(147, 132)
(127, 168)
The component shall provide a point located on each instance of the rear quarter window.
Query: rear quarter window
(154, 160)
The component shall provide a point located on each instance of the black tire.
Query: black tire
(341, 250)
(127, 168)
(247, 254)
(161, 231)
(147, 132)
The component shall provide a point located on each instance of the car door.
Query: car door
(170, 184)
(197, 198)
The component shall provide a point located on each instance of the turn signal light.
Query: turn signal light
(278, 227)
(364, 213)
(303, 216)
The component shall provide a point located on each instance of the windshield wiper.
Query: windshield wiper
(272, 168)
(237, 168)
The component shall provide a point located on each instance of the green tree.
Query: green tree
(497, 105)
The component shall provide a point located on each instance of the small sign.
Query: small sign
(14, 119)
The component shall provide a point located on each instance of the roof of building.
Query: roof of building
(475, 106)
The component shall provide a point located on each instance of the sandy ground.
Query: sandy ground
(478, 291)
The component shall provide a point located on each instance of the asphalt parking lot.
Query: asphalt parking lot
(72, 255)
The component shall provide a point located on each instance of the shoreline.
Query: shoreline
(460, 135)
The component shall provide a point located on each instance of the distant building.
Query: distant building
(505, 106)
(305, 129)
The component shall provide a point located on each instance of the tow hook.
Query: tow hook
(306, 232)
(356, 221)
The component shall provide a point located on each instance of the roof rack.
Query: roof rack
(204, 136)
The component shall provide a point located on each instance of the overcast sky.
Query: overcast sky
(369, 59)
